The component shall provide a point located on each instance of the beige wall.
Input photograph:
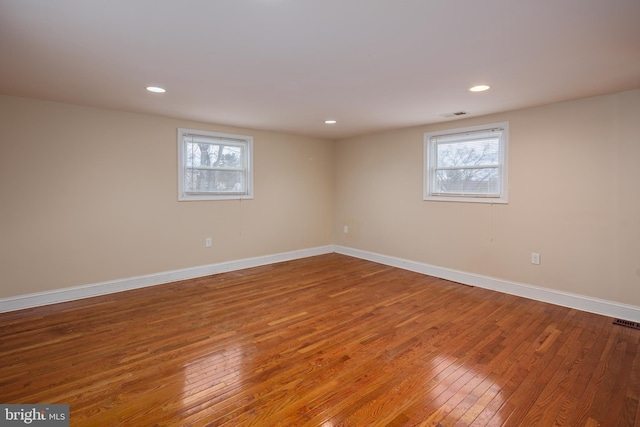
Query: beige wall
(89, 195)
(574, 197)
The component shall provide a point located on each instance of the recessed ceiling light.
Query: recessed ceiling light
(330, 122)
(480, 88)
(155, 89)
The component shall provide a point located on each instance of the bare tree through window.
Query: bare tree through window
(468, 167)
(213, 166)
(467, 164)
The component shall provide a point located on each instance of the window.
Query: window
(214, 166)
(467, 164)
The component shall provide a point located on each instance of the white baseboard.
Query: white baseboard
(565, 299)
(580, 302)
(79, 292)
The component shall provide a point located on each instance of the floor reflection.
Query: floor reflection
(464, 391)
(205, 378)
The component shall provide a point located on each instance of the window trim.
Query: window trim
(429, 170)
(245, 140)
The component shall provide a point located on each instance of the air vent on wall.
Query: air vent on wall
(628, 323)
(456, 114)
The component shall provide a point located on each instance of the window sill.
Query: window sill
(490, 200)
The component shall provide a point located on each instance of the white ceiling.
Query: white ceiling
(287, 65)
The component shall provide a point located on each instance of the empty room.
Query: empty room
(320, 213)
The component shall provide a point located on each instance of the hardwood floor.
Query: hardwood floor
(323, 341)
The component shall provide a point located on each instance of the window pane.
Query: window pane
(467, 164)
(214, 181)
(480, 152)
(214, 166)
(467, 181)
(213, 155)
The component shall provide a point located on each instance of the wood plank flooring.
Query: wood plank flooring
(322, 341)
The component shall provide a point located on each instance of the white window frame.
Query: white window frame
(247, 165)
(430, 167)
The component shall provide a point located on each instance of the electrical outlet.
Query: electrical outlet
(535, 258)
(207, 242)
(345, 229)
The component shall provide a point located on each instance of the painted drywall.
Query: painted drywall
(574, 197)
(89, 195)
